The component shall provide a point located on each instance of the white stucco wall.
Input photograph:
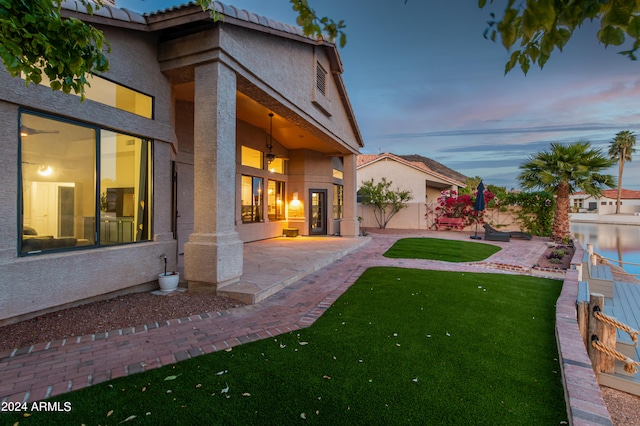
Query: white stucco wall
(403, 177)
(627, 206)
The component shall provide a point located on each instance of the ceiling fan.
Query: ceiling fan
(28, 131)
(270, 155)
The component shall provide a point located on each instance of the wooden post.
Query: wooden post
(601, 362)
(579, 269)
(583, 322)
(593, 259)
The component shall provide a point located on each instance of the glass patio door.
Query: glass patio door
(318, 212)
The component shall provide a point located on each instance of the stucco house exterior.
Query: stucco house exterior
(202, 136)
(424, 177)
(582, 202)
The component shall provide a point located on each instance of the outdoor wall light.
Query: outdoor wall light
(295, 203)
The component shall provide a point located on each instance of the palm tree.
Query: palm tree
(621, 150)
(563, 169)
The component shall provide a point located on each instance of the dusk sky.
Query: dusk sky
(422, 80)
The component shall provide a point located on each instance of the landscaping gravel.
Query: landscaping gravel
(121, 312)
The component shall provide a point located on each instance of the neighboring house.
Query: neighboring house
(173, 153)
(424, 177)
(606, 203)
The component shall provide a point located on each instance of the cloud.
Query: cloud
(481, 164)
(561, 128)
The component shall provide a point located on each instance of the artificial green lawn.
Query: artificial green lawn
(401, 346)
(437, 249)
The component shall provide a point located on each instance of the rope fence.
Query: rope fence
(598, 331)
(617, 324)
(630, 366)
(620, 263)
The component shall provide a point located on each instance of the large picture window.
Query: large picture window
(63, 204)
(114, 95)
(252, 193)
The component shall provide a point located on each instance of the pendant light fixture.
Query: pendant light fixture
(270, 155)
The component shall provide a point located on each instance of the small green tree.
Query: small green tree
(384, 201)
(621, 149)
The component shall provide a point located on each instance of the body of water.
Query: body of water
(614, 242)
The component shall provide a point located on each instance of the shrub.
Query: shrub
(556, 254)
(451, 204)
(536, 210)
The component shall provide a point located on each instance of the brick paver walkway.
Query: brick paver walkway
(48, 369)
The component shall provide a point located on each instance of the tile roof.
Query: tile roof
(106, 11)
(435, 166)
(417, 161)
(627, 194)
(241, 14)
(126, 15)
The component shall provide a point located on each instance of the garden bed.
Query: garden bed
(550, 259)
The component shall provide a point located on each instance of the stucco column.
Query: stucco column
(349, 226)
(213, 255)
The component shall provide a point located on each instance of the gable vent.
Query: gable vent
(321, 79)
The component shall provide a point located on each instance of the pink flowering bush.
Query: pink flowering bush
(450, 204)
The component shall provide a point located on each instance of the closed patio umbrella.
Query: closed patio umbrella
(478, 207)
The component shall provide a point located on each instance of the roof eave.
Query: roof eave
(104, 15)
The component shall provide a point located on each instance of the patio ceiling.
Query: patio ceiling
(285, 131)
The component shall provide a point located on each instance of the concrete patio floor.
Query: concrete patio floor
(271, 265)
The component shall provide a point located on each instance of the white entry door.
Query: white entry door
(45, 207)
(44, 211)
